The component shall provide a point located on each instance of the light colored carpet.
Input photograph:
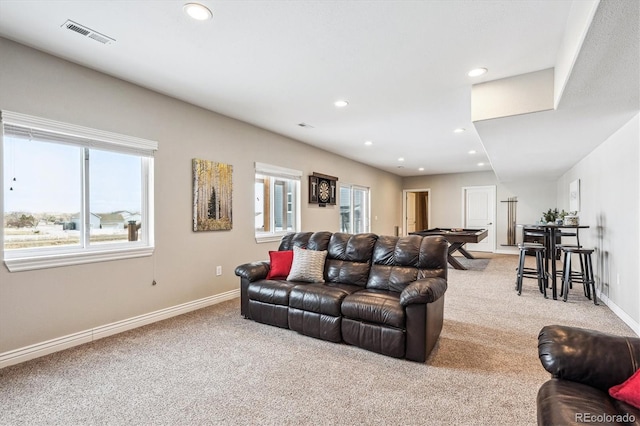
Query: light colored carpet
(477, 264)
(213, 367)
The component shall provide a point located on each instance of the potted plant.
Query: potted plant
(553, 216)
(550, 216)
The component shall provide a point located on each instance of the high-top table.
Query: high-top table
(552, 231)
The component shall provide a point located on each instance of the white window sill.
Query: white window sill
(269, 238)
(67, 259)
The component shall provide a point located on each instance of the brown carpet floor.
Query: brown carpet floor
(213, 367)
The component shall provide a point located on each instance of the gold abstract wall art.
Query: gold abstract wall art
(212, 196)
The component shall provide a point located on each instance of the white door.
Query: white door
(411, 212)
(479, 211)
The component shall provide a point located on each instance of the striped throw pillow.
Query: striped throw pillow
(308, 265)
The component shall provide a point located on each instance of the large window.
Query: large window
(277, 201)
(72, 194)
(354, 209)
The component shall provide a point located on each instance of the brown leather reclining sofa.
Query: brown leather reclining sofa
(381, 293)
(584, 365)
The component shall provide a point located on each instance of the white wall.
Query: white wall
(446, 199)
(609, 188)
(36, 306)
(505, 97)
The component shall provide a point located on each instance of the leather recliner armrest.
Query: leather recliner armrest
(587, 356)
(426, 290)
(253, 271)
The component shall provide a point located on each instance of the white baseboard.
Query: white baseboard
(507, 251)
(619, 313)
(58, 344)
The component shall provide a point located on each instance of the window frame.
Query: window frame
(86, 139)
(273, 175)
(366, 218)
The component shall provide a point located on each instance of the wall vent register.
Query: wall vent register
(87, 32)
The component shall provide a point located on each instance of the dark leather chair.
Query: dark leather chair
(584, 364)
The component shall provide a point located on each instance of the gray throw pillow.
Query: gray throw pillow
(308, 265)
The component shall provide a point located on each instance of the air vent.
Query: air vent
(87, 32)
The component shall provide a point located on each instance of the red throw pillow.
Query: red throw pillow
(629, 391)
(280, 264)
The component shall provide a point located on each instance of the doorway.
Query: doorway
(416, 209)
(479, 212)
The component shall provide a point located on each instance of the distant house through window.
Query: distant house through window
(354, 209)
(277, 201)
(73, 194)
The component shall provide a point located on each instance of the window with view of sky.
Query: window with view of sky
(43, 188)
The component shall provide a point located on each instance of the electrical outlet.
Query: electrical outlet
(218, 270)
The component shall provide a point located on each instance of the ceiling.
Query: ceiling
(402, 66)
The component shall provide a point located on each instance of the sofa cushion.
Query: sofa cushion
(349, 258)
(373, 337)
(375, 306)
(398, 261)
(397, 251)
(268, 313)
(271, 291)
(352, 247)
(309, 240)
(560, 401)
(320, 326)
(280, 264)
(320, 298)
(393, 278)
(308, 265)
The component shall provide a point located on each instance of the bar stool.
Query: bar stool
(575, 275)
(564, 234)
(538, 272)
(585, 276)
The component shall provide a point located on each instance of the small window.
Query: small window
(72, 194)
(277, 202)
(354, 209)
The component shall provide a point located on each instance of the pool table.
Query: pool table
(457, 238)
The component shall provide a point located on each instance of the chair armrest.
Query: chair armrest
(426, 290)
(587, 356)
(253, 271)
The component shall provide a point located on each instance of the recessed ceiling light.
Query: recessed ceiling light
(341, 103)
(421, 169)
(473, 151)
(368, 143)
(480, 164)
(197, 11)
(401, 159)
(459, 130)
(477, 72)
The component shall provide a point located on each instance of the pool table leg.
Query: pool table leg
(452, 260)
(464, 252)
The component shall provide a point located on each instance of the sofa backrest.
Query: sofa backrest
(349, 258)
(398, 261)
(307, 240)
